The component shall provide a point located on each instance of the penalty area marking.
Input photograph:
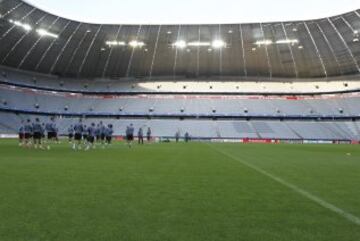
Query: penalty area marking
(350, 217)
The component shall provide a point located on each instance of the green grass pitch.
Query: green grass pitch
(180, 192)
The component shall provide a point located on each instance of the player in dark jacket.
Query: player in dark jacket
(177, 136)
(38, 131)
(71, 133)
(148, 134)
(109, 134)
(102, 132)
(28, 133)
(91, 133)
(51, 130)
(141, 136)
(130, 134)
(78, 130)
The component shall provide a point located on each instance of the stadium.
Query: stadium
(245, 131)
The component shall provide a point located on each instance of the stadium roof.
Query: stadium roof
(35, 40)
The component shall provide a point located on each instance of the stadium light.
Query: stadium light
(218, 44)
(25, 26)
(215, 44)
(180, 44)
(136, 44)
(287, 41)
(280, 41)
(115, 43)
(199, 44)
(43, 32)
(263, 42)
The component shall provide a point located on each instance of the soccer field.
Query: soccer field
(180, 192)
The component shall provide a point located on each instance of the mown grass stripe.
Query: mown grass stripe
(352, 218)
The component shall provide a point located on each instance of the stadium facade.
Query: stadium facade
(258, 81)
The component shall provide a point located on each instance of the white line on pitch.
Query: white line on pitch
(329, 206)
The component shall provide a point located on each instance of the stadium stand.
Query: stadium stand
(223, 116)
(331, 105)
(289, 81)
(209, 129)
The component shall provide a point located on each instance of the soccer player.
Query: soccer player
(56, 134)
(21, 134)
(109, 133)
(43, 131)
(85, 135)
(148, 134)
(71, 133)
(187, 137)
(97, 133)
(78, 130)
(28, 130)
(38, 131)
(51, 130)
(140, 136)
(177, 136)
(130, 134)
(102, 131)
(91, 136)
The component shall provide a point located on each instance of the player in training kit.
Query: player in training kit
(140, 136)
(85, 135)
(78, 130)
(129, 134)
(56, 134)
(177, 136)
(97, 133)
(91, 132)
(51, 130)
(37, 133)
(187, 137)
(28, 131)
(109, 134)
(43, 131)
(102, 132)
(21, 134)
(71, 133)
(148, 134)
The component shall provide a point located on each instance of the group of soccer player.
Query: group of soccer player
(36, 134)
(130, 135)
(33, 134)
(82, 136)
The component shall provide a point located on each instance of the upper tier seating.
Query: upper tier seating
(16, 98)
(169, 85)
